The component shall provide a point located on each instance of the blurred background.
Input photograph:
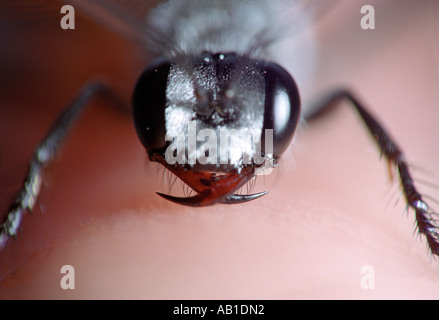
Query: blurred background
(394, 69)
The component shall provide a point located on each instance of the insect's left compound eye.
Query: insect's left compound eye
(149, 103)
(282, 106)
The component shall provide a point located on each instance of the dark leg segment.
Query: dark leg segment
(426, 220)
(43, 156)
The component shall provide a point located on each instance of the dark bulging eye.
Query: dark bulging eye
(282, 106)
(149, 103)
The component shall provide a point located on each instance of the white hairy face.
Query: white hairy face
(329, 213)
(181, 111)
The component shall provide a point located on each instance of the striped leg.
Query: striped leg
(42, 157)
(427, 223)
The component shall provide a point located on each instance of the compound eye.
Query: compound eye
(149, 103)
(282, 106)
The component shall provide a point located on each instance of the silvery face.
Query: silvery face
(220, 100)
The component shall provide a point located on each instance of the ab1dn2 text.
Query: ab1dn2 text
(221, 309)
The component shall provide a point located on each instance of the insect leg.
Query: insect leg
(42, 157)
(425, 218)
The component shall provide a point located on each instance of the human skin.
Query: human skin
(330, 210)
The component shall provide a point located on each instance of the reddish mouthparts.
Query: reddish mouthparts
(211, 187)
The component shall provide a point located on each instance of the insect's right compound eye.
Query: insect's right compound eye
(282, 106)
(149, 103)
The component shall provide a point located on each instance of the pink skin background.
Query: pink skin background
(331, 206)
